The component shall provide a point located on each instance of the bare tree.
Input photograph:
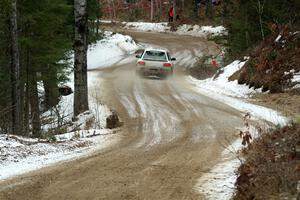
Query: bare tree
(80, 57)
(151, 9)
(112, 9)
(15, 73)
(174, 11)
(160, 9)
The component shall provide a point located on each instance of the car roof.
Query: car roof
(162, 50)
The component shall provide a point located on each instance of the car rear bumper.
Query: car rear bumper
(148, 71)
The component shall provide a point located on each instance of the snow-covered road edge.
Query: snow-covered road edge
(218, 184)
(185, 29)
(235, 95)
(64, 153)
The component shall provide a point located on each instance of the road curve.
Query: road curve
(171, 136)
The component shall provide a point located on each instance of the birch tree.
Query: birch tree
(80, 57)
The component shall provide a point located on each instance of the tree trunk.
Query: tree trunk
(110, 13)
(157, 13)
(151, 10)
(197, 8)
(174, 11)
(50, 87)
(27, 92)
(113, 8)
(80, 57)
(15, 73)
(34, 107)
(161, 14)
(260, 9)
(26, 109)
(209, 8)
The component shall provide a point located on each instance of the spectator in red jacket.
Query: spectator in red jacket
(171, 14)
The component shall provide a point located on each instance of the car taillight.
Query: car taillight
(167, 65)
(141, 62)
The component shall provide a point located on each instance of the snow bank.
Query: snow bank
(218, 184)
(185, 29)
(203, 31)
(234, 95)
(144, 26)
(110, 50)
(17, 158)
(222, 86)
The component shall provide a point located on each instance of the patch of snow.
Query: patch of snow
(107, 21)
(296, 77)
(278, 38)
(202, 31)
(218, 184)
(144, 26)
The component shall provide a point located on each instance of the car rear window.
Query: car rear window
(155, 55)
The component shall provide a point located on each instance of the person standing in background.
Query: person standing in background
(171, 14)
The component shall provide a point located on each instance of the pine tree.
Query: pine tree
(5, 82)
(45, 39)
(17, 113)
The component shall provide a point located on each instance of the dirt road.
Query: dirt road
(171, 136)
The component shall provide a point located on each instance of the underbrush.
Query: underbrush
(272, 61)
(271, 169)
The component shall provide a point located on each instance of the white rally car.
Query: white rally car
(155, 62)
